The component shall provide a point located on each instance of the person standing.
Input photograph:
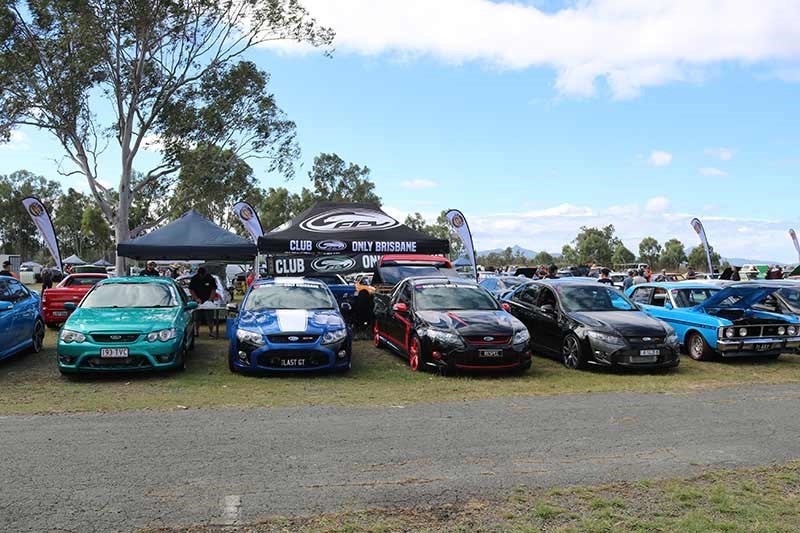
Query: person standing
(735, 274)
(639, 278)
(552, 272)
(150, 270)
(202, 288)
(47, 278)
(690, 273)
(628, 282)
(7, 270)
(604, 277)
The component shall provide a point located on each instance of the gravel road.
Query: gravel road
(121, 471)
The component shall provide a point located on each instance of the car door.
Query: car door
(26, 307)
(7, 340)
(522, 302)
(546, 323)
(398, 324)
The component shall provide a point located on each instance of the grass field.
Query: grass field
(755, 500)
(32, 384)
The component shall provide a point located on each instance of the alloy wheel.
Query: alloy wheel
(571, 353)
(413, 354)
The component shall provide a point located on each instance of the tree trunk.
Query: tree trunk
(122, 228)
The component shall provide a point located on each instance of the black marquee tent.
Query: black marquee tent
(192, 236)
(348, 228)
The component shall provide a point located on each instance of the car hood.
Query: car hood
(273, 321)
(749, 296)
(626, 323)
(472, 322)
(87, 319)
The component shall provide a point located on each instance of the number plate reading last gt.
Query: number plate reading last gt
(763, 347)
(293, 362)
(113, 353)
(490, 354)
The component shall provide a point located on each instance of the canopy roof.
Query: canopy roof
(192, 236)
(102, 263)
(73, 260)
(347, 228)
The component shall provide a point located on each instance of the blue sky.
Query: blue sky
(645, 133)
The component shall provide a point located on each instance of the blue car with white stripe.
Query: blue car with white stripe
(711, 320)
(289, 325)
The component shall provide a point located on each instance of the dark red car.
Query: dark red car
(71, 289)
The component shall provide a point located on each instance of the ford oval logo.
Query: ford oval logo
(337, 263)
(331, 246)
(293, 338)
(346, 220)
(116, 337)
(647, 339)
(488, 339)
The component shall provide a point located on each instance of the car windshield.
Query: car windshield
(593, 298)
(84, 281)
(691, 297)
(299, 296)
(130, 295)
(451, 297)
(393, 275)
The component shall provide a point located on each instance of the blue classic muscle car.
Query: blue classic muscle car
(712, 320)
(289, 325)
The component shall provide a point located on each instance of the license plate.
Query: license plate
(293, 362)
(60, 313)
(763, 347)
(490, 354)
(649, 352)
(113, 353)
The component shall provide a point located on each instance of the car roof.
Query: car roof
(573, 280)
(139, 279)
(669, 285)
(412, 259)
(440, 279)
(288, 281)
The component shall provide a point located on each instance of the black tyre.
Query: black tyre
(697, 347)
(38, 337)
(572, 353)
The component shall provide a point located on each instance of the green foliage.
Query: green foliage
(440, 229)
(335, 181)
(697, 258)
(543, 258)
(673, 255)
(94, 226)
(18, 233)
(592, 245)
(67, 223)
(622, 255)
(649, 251)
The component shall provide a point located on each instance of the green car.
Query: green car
(128, 324)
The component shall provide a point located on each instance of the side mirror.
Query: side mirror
(345, 307)
(506, 307)
(400, 308)
(191, 305)
(232, 308)
(70, 306)
(548, 309)
(6, 306)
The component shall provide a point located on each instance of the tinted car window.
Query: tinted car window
(5, 294)
(17, 291)
(441, 297)
(591, 298)
(527, 295)
(83, 282)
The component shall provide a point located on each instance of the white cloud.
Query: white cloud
(659, 204)
(17, 143)
(417, 184)
(630, 44)
(659, 158)
(153, 143)
(712, 172)
(724, 154)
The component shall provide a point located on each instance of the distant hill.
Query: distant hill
(739, 261)
(517, 249)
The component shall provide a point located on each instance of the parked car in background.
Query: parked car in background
(21, 321)
(711, 320)
(500, 285)
(580, 322)
(448, 324)
(71, 289)
(341, 290)
(364, 284)
(289, 325)
(127, 324)
(394, 268)
(221, 297)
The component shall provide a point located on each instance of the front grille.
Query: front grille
(481, 339)
(640, 341)
(114, 337)
(293, 339)
(135, 361)
(279, 358)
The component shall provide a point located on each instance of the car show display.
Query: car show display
(71, 289)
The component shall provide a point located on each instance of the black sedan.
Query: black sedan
(584, 322)
(449, 324)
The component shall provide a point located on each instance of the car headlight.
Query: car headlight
(250, 337)
(334, 336)
(443, 337)
(521, 337)
(743, 332)
(781, 330)
(69, 336)
(163, 335)
(791, 330)
(607, 338)
(730, 333)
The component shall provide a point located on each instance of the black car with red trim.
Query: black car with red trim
(449, 324)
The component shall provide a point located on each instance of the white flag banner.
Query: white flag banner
(41, 218)
(701, 232)
(249, 219)
(793, 235)
(459, 224)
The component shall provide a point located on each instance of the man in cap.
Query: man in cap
(150, 270)
(7, 270)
